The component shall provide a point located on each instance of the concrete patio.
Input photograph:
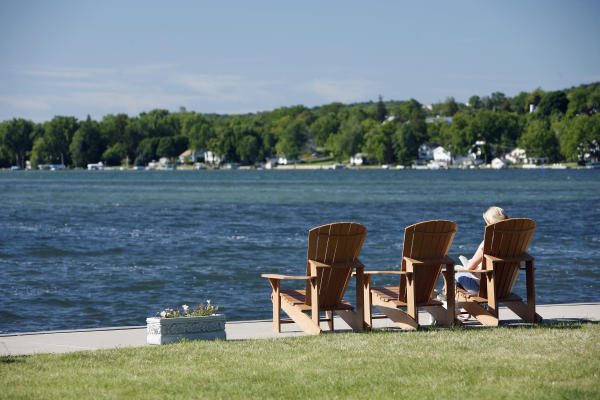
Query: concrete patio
(132, 336)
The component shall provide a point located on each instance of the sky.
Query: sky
(80, 57)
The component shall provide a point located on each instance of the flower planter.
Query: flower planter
(169, 330)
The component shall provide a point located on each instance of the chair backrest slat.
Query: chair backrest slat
(508, 238)
(333, 243)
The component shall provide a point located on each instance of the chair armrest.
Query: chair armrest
(278, 276)
(385, 272)
(429, 261)
(522, 257)
(474, 271)
(354, 264)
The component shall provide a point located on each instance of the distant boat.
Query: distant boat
(56, 167)
(558, 166)
(338, 166)
(15, 168)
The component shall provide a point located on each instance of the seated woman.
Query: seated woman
(467, 280)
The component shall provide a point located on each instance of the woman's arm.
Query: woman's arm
(476, 260)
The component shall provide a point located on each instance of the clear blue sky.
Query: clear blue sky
(99, 57)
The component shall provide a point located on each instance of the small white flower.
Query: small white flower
(185, 307)
(163, 314)
(208, 302)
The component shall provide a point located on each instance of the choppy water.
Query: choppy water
(83, 249)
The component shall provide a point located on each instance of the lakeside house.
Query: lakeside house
(537, 160)
(434, 156)
(497, 163)
(212, 158)
(99, 166)
(425, 152)
(516, 156)
(357, 159)
(191, 156)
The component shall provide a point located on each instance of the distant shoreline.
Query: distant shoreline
(311, 167)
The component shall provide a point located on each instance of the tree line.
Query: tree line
(564, 126)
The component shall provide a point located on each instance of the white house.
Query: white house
(537, 160)
(357, 159)
(190, 155)
(498, 163)
(426, 151)
(516, 156)
(95, 167)
(442, 155)
(212, 158)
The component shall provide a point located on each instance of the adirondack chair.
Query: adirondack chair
(504, 250)
(424, 253)
(333, 251)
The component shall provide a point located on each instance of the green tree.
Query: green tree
(499, 102)
(166, 147)
(147, 149)
(248, 149)
(198, 129)
(323, 127)
(449, 107)
(53, 146)
(115, 154)
(405, 144)
(475, 102)
(553, 102)
(519, 103)
(380, 111)
(582, 136)
(292, 140)
(539, 140)
(87, 145)
(348, 141)
(378, 143)
(15, 138)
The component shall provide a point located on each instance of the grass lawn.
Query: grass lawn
(546, 361)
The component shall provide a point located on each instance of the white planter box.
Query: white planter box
(169, 330)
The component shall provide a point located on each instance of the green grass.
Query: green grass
(546, 361)
(318, 160)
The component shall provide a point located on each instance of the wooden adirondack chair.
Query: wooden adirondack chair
(333, 251)
(504, 249)
(424, 253)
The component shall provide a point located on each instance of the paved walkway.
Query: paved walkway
(133, 336)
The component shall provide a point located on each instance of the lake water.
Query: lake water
(84, 249)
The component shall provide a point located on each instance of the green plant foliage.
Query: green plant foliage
(337, 129)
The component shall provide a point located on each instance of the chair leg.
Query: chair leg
(329, 317)
(276, 299)
(530, 283)
(367, 298)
